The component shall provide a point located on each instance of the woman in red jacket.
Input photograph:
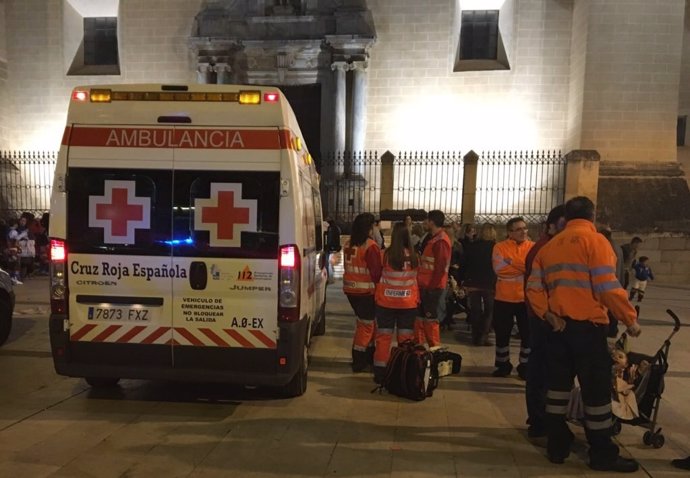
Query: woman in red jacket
(397, 296)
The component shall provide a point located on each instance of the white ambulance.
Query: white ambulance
(186, 237)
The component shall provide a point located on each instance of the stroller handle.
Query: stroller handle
(675, 318)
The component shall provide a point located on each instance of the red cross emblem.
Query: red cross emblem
(225, 215)
(119, 212)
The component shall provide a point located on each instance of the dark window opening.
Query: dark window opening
(100, 41)
(479, 35)
(681, 130)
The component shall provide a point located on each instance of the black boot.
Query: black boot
(619, 465)
(503, 370)
(360, 361)
(682, 463)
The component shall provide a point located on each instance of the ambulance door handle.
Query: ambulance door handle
(198, 275)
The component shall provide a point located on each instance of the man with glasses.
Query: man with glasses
(509, 306)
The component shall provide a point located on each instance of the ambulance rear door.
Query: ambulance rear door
(120, 268)
(226, 195)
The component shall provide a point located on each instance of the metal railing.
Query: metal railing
(26, 180)
(351, 183)
(524, 183)
(508, 184)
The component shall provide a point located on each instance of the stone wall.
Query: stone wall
(684, 93)
(416, 101)
(669, 255)
(153, 48)
(631, 80)
(4, 120)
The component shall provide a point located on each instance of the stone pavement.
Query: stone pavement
(472, 426)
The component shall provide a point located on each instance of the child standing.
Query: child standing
(643, 273)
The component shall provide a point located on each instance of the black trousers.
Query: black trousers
(537, 374)
(481, 304)
(580, 350)
(505, 315)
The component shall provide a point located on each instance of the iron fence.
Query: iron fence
(351, 183)
(26, 180)
(524, 183)
(509, 184)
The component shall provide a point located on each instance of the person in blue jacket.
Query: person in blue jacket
(643, 273)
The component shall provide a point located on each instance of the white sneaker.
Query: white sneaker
(16, 281)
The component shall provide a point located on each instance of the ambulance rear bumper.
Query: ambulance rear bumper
(255, 367)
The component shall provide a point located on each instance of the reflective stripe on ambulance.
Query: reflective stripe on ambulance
(199, 337)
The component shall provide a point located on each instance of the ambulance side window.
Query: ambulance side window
(308, 218)
(226, 214)
(318, 219)
(117, 212)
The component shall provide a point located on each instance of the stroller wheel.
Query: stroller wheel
(647, 438)
(658, 441)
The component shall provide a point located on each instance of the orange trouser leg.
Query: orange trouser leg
(432, 331)
(419, 335)
(384, 337)
(364, 335)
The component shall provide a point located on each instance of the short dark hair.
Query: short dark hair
(437, 217)
(643, 259)
(635, 239)
(580, 207)
(513, 220)
(555, 214)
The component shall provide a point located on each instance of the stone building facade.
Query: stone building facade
(605, 75)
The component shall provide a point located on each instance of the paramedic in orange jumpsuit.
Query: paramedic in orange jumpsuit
(362, 261)
(572, 284)
(509, 304)
(433, 280)
(397, 296)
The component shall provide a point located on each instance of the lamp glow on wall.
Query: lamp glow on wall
(442, 123)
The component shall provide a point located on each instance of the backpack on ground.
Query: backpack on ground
(411, 372)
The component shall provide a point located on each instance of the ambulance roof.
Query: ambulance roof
(193, 104)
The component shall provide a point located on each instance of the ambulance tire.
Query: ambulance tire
(298, 384)
(321, 325)
(5, 319)
(102, 382)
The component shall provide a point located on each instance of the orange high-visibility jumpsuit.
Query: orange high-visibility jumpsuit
(574, 277)
(509, 304)
(397, 297)
(433, 280)
(362, 272)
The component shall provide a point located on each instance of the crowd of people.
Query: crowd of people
(564, 294)
(24, 244)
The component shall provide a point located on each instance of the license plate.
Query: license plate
(120, 314)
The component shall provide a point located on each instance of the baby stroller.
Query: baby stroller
(456, 302)
(646, 375)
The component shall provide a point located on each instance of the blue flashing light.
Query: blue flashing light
(180, 242)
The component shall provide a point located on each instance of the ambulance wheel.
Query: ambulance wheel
(5, 320)
(102, 382)
(298, 385)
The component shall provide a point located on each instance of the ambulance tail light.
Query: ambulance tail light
(58, 276)
(289, 283)
(80, 95)
(271, 97)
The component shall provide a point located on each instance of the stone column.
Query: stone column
(223, 72)
(582, 174)
(204, 72)
(359, 105)
(340, 105)
(469, 187)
